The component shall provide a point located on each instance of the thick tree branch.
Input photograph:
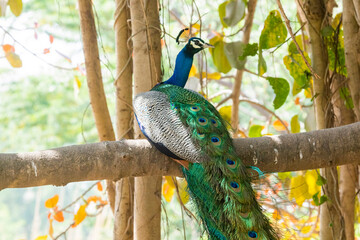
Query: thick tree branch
(115, 160)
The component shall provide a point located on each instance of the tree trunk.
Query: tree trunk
(146, 59)
(316, 14)
(239, 73)
(94, 81)
(124, 198)
(351, 13)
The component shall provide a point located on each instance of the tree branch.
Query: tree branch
(115, 160)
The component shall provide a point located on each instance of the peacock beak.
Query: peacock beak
(207, 45)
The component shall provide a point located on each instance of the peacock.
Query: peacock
(183, 125)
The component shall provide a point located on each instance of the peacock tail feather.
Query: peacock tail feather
(184, 125)
(220, 185)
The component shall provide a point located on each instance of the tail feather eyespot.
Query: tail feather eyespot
(215, 140)
(194, 109)
(202, 121)
(252, 234)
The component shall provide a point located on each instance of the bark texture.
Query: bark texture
(115, 160)
(124, 188)
(146, 59)
(251, 6)
(351, 25)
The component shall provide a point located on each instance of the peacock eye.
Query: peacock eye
(202, 121)
(231, 163)
(252, 234)
(235, 186)
(216, 141)
(194, 109)
(214, 122)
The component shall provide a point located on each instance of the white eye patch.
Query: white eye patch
(196, 44)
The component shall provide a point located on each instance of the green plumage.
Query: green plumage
(220, 186)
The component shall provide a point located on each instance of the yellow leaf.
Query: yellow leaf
(210, 76)
(310, 178)
(196, 26)
(170, 181)
(307, 93)
(16, 6)
(78, 82)
(51, 202)
(306, 229)
(299, 190)
(295, 125)
(8, 48)
(193, 71)
(51, 228)
(59, 216)
(41, 237)
(13, 59)
(184, 195)
(168, 191)
(225, 113)
(99, 186)
(279, 126)
(276, 215)
(79, 216)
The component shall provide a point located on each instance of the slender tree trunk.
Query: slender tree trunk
(239, 73)
(94, 80)
(146, 59)
(316, 14)
(351, 16)
(124, 198)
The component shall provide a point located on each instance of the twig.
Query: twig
(287, 23)
(269, 111)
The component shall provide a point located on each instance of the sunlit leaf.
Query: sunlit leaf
(8, 48)
(279, 126)
(276, 216)
(78, 82)
(42, 237)
(51, 202)
(218, 55)
(311, 178)
(307, 93)
(168, 191)
(51, 38)
(234, 12)
(299, 190)
(46, 50)
(226, 112)
(16, 6)
(292, 49)
(58, 216)
(222, 12)
(210, 76)
(296, 88)
(193, 71)
(298, 70)
(274, 31)
(255, 131)
(249, 50)
(262, 68)
(184, 195)
(284, 175)
(51, 228)
(13, 59)
(281, 89)
(80, 215)
(232, 51)
(295, 125)
(170, 181)
(99, 186)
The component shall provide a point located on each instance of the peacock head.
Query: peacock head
(195, 44)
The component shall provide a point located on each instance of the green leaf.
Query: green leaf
(292, 47)
(16, 7)
(281, 89)
(274, 31)
(320, 180)
(262, 68)
(298, 70)
(345, 95)
(222, 12)
(249, 50)
(235, 11)
(327, 31)
(295, 125)
(218, 55)
(296, 88)
(232, 51)
(255, 131)
(284, 175)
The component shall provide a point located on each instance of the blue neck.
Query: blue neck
(183, 65)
